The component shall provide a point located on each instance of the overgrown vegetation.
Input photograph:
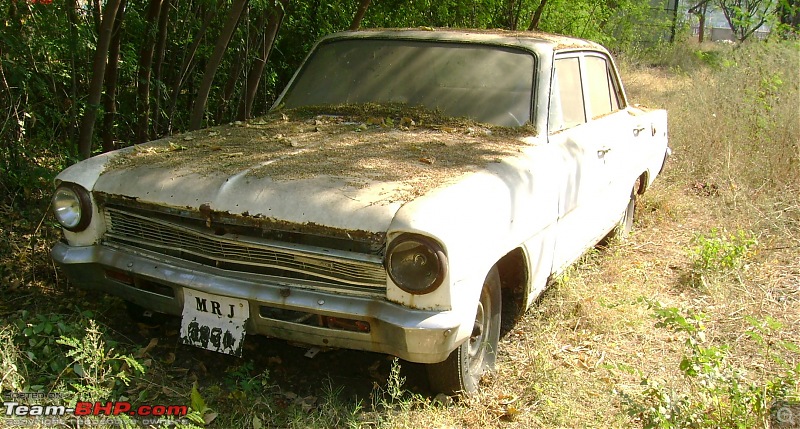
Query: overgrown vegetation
(714, 258)
(715, 393)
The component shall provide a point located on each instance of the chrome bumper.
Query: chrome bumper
(412, 335)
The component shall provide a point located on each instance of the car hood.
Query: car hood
(323, 201)
(347, 168)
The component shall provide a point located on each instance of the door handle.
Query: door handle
(637, 130)
(602, 152)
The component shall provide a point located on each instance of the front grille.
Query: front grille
(236, 252)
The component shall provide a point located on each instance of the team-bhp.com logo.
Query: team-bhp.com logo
(13, 409)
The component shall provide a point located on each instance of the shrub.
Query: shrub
(713, 392)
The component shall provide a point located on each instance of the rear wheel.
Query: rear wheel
(461, 372)
(625, 224)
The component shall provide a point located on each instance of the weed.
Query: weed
(714, 393)
(199, 412)
(100, 371)
(719, 254)
(12, 380)
(38, 339)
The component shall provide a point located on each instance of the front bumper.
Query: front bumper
(158, 284)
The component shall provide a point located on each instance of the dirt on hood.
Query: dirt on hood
(361, 144)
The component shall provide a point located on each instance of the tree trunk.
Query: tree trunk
(72, 14)
(362, 10)
(702, 27)
(188, 62)
(96, 15)
(109, 101)
(145, 69)
(229, 88)
(198, 111)
(276, 14)
(537, 16)
(163, 26)
(98, 72)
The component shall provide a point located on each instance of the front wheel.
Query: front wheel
(461, 372)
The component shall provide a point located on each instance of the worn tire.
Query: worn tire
(625, 224)
(461, 372)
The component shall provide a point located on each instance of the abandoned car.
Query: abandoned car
(408, 193)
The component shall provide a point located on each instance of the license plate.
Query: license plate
(214, 322)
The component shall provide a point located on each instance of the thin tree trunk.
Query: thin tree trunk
(233, 77)
(196, 119)
(110, 101)
(163, 24)
(276, 14)
(537, 16)
(145, 69)
(188, 62)
(98, 72)
(362, 10)
(96, 15)
(702, 27)
(72, 14)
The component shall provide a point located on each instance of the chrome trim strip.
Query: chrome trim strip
(347, 267)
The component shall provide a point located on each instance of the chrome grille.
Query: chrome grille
(168, 237)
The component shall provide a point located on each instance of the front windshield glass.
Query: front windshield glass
(486, 83)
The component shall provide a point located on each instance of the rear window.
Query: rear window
(486, 83)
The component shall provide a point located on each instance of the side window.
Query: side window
(566, 95)
(602, 94)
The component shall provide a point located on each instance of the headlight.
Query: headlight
(416, 264)
(72, 207)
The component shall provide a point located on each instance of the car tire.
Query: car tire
(461, 372)
(625, 224)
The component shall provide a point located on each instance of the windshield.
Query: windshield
(486, 83)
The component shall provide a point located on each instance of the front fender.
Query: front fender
(478, 220)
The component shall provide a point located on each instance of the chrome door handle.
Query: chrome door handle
(637, 130)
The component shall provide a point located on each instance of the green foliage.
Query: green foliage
(66, 354)
(38, 340)
(719, 252)
(199, 412)
(100, 372)
(713, 392)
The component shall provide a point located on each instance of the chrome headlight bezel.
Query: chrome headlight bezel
(416, 264)
(72, 207)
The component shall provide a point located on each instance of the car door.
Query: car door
(584, 126)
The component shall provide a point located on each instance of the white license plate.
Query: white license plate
(214, 322)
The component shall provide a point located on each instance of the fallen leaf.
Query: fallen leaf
(208, 418)
(143, 351)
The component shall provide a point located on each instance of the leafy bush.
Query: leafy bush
(713, 392)
(719, 254)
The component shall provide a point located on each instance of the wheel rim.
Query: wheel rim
(476, 342)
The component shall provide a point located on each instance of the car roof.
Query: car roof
(532, 40)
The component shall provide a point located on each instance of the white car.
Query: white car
(409, 192)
